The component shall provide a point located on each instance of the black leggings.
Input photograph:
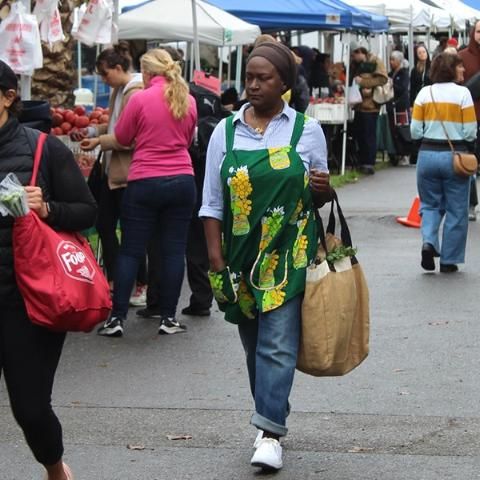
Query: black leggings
(29, 357)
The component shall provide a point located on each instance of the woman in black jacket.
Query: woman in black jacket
(398, 109)
(29, 354)
(419, 74)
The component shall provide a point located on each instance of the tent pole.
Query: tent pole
(26, 80)
(195, 35)
(191, 60)
(229, 68)
(79, 63)
(95, 80)
(220, 64)
(238, 72)
(410, 41)
(346, 50)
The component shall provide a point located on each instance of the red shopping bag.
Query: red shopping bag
(62, 285)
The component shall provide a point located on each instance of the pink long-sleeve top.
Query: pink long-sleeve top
(161, 142)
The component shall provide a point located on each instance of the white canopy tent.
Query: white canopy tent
(173, 21)
(460, 9)
(412, 14)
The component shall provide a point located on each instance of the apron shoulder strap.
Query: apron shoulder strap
(297, 129)
(229, 134)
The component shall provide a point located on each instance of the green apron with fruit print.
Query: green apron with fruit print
(269, 229)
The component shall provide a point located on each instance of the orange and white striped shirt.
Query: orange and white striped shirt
(453, 105)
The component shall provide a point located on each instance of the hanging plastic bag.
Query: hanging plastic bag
(354, 95)
(95, 25)
(20, 44)
(49, 19)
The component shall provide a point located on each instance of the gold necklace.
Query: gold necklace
(261, 130)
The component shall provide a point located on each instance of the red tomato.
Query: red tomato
(70, 116)
(82, 121)
(79, 110)
(94, 121)
(57, 119)
(66, 127)
(103, 119)
(57, 131)
(95, 114)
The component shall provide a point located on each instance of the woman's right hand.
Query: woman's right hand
(89, 144)
(78, 135)
(217, 264)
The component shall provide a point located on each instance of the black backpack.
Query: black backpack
(210, 111)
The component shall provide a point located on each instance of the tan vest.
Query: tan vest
(121, 156)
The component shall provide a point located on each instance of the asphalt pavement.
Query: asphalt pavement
(410, 411)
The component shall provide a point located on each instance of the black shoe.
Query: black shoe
(367, 169)
(113, 327)
(428, 254)
(448, 268)
(148, 312)
(196, 312)
(169, 326)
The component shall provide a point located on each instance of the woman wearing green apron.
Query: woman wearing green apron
(266, 169)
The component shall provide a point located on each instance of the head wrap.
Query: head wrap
(280, 57)
(8, 79)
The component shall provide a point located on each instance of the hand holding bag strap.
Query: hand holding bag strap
(37, 158)
(440, 120)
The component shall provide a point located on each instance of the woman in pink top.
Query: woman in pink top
(160, 195)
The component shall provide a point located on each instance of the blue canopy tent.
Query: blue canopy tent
(306, 15)
(303, 15)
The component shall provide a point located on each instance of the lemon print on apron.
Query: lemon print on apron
(279, 159)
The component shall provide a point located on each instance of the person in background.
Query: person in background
(398, 109)
(160, 195)
(266, 172)
(320, 77)
(368, 71)
(471, 61)
(443, 193)
(208, 111)
(307, 55)
(442, 45)
(419, 74)
(29, 354)
(452, 43)
(114, 66)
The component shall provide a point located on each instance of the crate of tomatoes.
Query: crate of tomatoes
(67, 121)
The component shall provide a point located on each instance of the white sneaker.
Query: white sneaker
(139, 297)
(256, 443)
(268, 454)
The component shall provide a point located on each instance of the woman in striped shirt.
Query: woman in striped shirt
(445, 108)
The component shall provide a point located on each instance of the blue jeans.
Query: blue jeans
(166, 203)
(271, 347)
(443, 194)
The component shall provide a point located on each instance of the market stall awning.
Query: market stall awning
(411, 14)
(172, 21)
(301, 15)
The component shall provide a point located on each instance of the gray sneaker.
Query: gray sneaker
(472, 215)
(169, 326)
(113, 327)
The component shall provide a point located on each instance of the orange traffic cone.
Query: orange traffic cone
(414, 219)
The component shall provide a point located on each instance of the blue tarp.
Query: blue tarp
(303, 15)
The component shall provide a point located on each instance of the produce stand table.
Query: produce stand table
(329, 113)
(332, 118)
